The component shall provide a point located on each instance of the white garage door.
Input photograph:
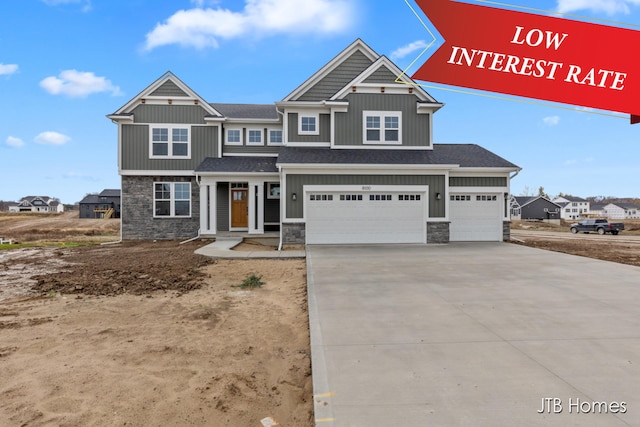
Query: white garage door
(343, 217)
(475, 217)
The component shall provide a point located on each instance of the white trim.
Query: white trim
(275, 144)
(370, 146)
(255, 144)
(308, 144)
(232, 154)
(170, 128)
(357, 169)
(269, 186)
(151, 173)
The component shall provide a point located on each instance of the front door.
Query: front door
(239, 208)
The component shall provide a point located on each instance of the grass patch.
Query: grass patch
(251, 282)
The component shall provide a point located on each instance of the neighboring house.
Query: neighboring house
(103, 205)
(573, 207)
(621, 211)
(346, 157)
(38, 204)
(537, 208)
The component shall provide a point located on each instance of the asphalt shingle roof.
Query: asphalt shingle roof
(238, 164)
(247, 111)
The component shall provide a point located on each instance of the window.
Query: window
(172, 199)
(409, 197)
(382, 127)
(170, 141)
(308, 124)
(375, 197)
(275, 137)
(254, 137)
(273, 190)
(351, 197)
(234, 137)
(321, 197)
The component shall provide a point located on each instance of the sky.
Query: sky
(66, 64)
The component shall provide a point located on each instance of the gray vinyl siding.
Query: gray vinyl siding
(135, 149)
(536, 210)
(222, 206)
(263, 149)
(349, 125)
(337, 79)
(295, 184)
(477, 181)
(191, 114)
(382, 75)
(168, 88)
(325, 130)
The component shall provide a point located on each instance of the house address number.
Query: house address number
(366, 188)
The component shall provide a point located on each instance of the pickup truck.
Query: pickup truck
(600, 226)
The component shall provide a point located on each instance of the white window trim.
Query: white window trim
(260, 132)
(269, 141)
(226, 136)
(169, 142)
(172, 200)
(316, 116)
(381, 115)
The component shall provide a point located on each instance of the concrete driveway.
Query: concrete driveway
(472, 334)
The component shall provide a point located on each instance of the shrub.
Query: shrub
(252, 281)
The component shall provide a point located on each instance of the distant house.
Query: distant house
(621, 211)
(537, 208)
(103, 205)
(42, 204)
(572, 207)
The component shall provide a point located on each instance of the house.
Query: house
(573, 207)
(621, 211)
(346, 157)
(537, 208)
(43, 204)
(103, 205)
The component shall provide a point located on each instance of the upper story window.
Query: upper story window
(172, 199)
(234, 137)
(275, 137)
(170, 142)
(382, 127)
(254, 137)
(308, 124)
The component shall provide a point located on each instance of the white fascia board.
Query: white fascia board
(462, 171)
(215, 120)
(238, 175)
(120, 117)
(426, 108)
(253, 121)
(383, 147)
(156, 173)
(357, 169)
(227, 154)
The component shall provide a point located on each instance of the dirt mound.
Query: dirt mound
(134, 267)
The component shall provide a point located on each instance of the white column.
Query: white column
(213, 211)
(256, 204)
(204, 199)
(208, 220)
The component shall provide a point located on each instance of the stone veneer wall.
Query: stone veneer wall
(438, 232)
(506, 231)
(293, 233)
(138, 222)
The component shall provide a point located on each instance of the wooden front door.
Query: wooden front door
(239, 208)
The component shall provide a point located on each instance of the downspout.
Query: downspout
(281, 195)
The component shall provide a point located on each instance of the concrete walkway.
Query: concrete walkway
(223, 248)
(487, 334)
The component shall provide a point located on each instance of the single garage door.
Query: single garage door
(475, 217)
(352, 217)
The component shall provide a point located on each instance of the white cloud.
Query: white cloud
(85, 8)
(12, 141)
(201, 28)
(52, 138)
(78, 84)
(403, 51)
(610, 7)
(551, 120)
(8, 68)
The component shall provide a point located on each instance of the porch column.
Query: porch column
(256, 207)
(208, 220)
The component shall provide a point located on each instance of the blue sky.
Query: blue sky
(65, 64)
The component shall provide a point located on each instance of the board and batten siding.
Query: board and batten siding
(295, 184)
(338, 78)
(477, 181)
(324, 127)
(222, 206)
(186, 114)
(349, 126)
(169, 88)
(135, 149)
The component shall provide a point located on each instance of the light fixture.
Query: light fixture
(438, 196)
(294, 196)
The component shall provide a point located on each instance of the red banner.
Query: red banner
(534, 56)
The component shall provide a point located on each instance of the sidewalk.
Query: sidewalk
(223, 248)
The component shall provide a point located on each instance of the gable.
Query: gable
(335, 80)
(169, 88)
(382, 75)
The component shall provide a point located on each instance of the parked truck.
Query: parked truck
(600, 226)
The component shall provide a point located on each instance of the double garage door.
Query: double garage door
(377, 215)
(475, 217)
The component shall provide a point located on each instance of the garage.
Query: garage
(475, 217)
(378, 215)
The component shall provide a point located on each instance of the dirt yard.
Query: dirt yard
(141, 334)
